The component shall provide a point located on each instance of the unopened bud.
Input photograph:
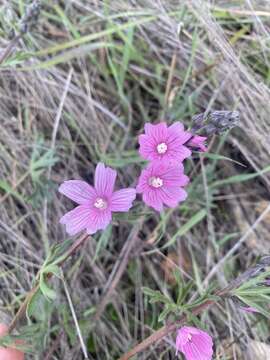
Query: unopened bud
(215, 122)
(224, 120)
(30, 17)
(265, 260)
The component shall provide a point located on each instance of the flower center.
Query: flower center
(100, 204)
(156, 182)
(189, 337)
(162, 148)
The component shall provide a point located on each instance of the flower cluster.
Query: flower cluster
(162, 182)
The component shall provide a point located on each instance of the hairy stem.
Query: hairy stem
(23, 308)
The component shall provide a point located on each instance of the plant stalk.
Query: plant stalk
(23, 308)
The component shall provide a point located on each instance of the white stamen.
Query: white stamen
(156, 182)
(189, 337)
(162, 148)
(100, 204)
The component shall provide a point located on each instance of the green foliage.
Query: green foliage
(45, 293)
(240, 178)
(194, 220)
(181, 304)
(41, 160)
(103, 241)
(255, 293)
(26, 340)
(9, 190)
(39, 307)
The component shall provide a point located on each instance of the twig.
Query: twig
(84, 350)
(242, 11)
(22, 310)
(54, 346)
(170, 78)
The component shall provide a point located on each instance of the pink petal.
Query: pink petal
(104, 180)
(152, 198)
(176, 131)
(77, 219)
(121, 200)
(172, 196)
(173, 176)
(78, 191)
(176, 127)
(193, 353)
(147, 147)
(98, 220)
(204, 343)
(158, 132)
(177, 139)
(182, 337)
(143, 181)
(249, 309)
(198, 142)
(199, 346)
(182, 153)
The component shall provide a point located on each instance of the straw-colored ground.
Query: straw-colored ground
(78, 89)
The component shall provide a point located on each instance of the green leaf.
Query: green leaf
(131, 216)
(156, 296)
(57, 252)
(194, 220)
(220, 157)
(239, 178)
(8, 190)
(53, 269)
(67, 56)
(37, 306)
(103, 241)
(253, 303)
(45, 289)
(164, 313)
(93, 36)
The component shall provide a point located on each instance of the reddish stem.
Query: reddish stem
(23, 308)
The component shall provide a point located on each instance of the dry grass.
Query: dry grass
(88, 99)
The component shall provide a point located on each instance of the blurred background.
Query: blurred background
(77, 84)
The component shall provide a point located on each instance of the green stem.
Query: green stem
(23, 308)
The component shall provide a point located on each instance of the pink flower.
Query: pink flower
(96, 204)
(160, 183)
(194, 343)
(164, 143)
(249, 309)
(198, 142)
